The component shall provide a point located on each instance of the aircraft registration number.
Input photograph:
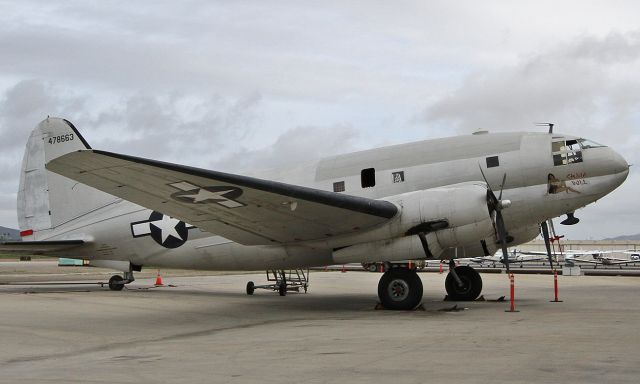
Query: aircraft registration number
(61, 139)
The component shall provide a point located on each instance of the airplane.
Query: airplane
(598, 257)
(437, 199)
(515, 256)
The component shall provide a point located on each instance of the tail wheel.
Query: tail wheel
(400, 289)
(471, 284)
(116, 283)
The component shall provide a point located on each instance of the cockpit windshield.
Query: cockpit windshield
(584, 143)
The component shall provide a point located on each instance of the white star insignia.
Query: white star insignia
(167, 226)
(204, 195)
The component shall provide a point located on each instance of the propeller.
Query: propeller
(547, 242)
(497, 205)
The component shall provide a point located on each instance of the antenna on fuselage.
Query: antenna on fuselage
(550, 125)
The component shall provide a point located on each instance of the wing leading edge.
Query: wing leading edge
(243, 209)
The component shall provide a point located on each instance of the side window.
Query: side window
(368, 177)
(397, 177)
(338, 186)
(566, 152)
(493, 161)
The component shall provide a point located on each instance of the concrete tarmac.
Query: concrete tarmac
(205, 329)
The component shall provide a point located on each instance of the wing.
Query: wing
(39, 247)
(243, 209)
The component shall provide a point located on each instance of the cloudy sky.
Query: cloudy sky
(235, 85)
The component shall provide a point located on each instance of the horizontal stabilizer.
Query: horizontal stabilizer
(38, 247)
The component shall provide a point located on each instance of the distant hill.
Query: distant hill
(9, 234)
(626, 237)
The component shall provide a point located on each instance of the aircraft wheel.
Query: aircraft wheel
(400, 289)
(471, 284)
(250, 288)
(372, 267)
(116, 283)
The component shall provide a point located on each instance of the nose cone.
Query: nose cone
(618, 166)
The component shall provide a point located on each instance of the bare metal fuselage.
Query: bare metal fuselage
(538, 187)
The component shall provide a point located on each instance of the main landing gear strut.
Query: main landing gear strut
(401, 288)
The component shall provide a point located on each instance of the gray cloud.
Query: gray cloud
(583, 88)
(293, 147)
(246, 85)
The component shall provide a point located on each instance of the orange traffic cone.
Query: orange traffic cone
(158, 279)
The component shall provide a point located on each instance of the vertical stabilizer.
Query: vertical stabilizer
(46, 200)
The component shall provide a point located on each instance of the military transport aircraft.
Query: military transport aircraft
(436, 199)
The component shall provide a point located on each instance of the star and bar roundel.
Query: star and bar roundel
(172, 233)
(163, 229)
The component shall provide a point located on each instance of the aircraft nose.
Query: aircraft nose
(618, 166)
(618, 163)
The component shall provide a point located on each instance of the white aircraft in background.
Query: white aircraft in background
(601, 257)
(433, 199)
(515, 256)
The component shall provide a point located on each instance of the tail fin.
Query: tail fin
(46, 200)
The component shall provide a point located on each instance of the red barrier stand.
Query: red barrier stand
(555, 287)
(441, 267)
(512, 300)
(344, 269)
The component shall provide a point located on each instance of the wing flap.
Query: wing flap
(244, 209)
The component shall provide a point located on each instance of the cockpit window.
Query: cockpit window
(566, 151)
(585, 144)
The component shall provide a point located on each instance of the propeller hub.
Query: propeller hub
(502, 204)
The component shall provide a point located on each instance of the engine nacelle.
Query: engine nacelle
(463, 207)
(451, 216)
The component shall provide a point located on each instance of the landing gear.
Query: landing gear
(400, 289)
(463, 283)
(117, 282)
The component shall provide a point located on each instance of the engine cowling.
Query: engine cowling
(451, 216)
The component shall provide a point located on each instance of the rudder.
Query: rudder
(47, 200)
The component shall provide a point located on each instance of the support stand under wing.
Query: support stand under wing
(283, 281)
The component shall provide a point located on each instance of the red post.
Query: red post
(343, 269)
(512, 299)
(410, 264)
(555, 287)
(381, 267)
(441, 267)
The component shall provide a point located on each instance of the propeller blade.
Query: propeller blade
(547, 242)
(502, 232)
(494, 199)
(504, 179)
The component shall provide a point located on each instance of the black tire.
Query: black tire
(116, 283)
(250, 288)
(400, 289)
(471, 284)
(372, 267)
(282, 289)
